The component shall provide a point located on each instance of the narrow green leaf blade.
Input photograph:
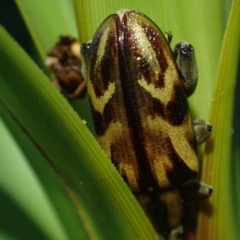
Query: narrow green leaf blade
(34, 188)
(217, 169)
(47, 20)
(32, 207)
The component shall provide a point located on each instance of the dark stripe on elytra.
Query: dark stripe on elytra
(158, 108)
(191, 139)
(155, 107)
(140, 59)
(157, 44)
(177, 107)
(100, 75)
(159, 213)
(102, 120)
(146, 179)
(180, 172)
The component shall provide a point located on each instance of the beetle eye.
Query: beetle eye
(191, 48)
(184, 50)
(85, 48)
(187, 50)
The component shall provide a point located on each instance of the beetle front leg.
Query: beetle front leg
(187, 65)
(197, 189)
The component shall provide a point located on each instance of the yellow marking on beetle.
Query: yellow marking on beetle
(162, 94)
(160, 159)
(113, 132)
(173, 201)
(129, 171)
(117, 136)
(102, 45)
(142, 42)
(100, 102)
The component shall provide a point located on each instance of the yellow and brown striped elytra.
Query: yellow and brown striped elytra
(141, 113)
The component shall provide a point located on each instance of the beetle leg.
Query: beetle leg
(202, 129)
(195, 191)
(176, 233)
(186, 62)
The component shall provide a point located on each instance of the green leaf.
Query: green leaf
(217, 169)
(47, 20)
(31, 192)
